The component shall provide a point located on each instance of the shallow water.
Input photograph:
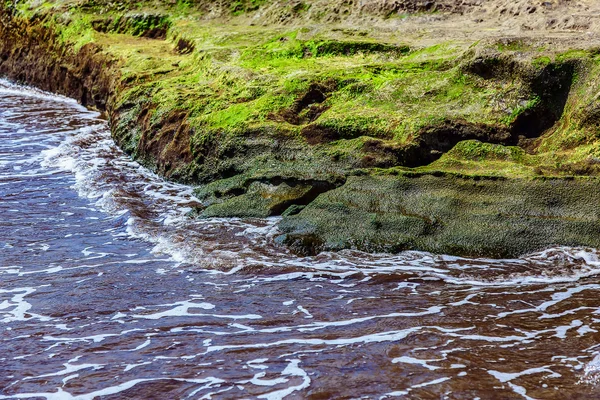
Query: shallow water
(108, 290)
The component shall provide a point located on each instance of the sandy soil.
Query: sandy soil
(566, 23)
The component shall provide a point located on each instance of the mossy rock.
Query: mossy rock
(262, 200)
(449, 214)
(266, 117)
(475, 150)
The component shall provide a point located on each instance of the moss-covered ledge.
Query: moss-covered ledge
(450, 214)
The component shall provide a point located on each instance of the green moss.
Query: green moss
(542, 61)
(477, 151)
(233, 117)
(239, 7)
(138, 25)
(474, 158)
(573, 54)
(78, 32)
(248, 79)
(242, 89)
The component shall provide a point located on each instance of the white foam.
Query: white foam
(292, 370)
(506, 376)
(388, 336)
(129, 367)
(402, 393)
(430, 383)
(20, 307)
(258, 380)
(10, 88)
(181, 309)
(417, 361)
(69, 368)
(91, 338)
(305, 312)
(142, 346)
(520, 390)
(60, 394)
(258, 363)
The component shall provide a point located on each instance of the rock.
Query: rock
(379, 138)
(263, 200)
(449, 214)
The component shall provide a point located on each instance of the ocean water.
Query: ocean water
(109, 290)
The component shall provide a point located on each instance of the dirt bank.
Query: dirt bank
(465, 127)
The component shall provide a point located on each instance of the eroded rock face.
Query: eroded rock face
(31, 54)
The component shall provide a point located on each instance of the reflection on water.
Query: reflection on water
(108, 289)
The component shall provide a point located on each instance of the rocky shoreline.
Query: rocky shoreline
(351, 121)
